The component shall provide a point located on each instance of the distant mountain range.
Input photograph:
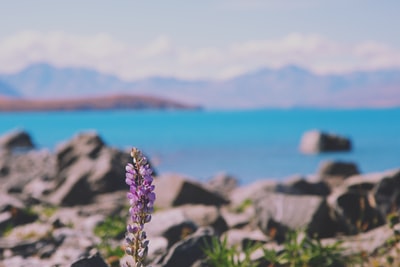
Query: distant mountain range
(290, 86)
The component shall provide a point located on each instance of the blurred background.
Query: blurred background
(207, 86)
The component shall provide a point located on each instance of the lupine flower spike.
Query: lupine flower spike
(141, 198)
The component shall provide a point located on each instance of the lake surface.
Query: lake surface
(250, 145)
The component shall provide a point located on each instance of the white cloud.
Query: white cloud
(163, 57)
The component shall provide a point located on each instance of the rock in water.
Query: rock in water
(316, 142)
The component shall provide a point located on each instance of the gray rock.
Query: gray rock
(30, 240)
(367, 243)
(238, 220)
(364, 182)
(203, 216)
(316, 142)
(27, 168)
(338, 168)
(171, 224)
(222, 184)
(25, 262)
(83, 144)
(251, 192)
(356, 210)
(174, 191)
(77, 244)
(16, 139)
(188, 251)
(277, 213)
(13, 212)
(91, 261)
(244, 238)
(301, 186)
(387, 193)
(8, 202)
(86, 167)
(74, 188)
(107, 204)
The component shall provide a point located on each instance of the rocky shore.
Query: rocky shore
(95, 103)
(69, 208)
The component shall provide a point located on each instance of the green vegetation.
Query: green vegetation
(6, 230)
(244, 205)
(219, 254)
(299, 250)
(49, 211)
(112, 229)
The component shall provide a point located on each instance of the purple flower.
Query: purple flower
(141, 198)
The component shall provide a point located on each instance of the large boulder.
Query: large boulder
(251, 192)
(316, 142)
(91, 261)
(171, 224)
(16, 140)
(206, 216)
(278, 213)
(387, 193)
(223, 184)
(87, 144)
(87, 167)
(174, 190)
(356, 210)
(334, 173)
(303, 186)
(18, 170)
(337, 168)
(187, 251)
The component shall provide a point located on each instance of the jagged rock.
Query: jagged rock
(102, 165)
(338, 168)
(32, 239)
(171, 224)
(86, 167)
(251, 192)
(203, 216)
(244, 238)
(301, 186)
(387, 193)
(277, 213)
(158, 246)
(238, 219)
(8, 202)
(27, 168)
(74, 188)
(364, 182)
(16, 140)
(77, 244)
(174, 191)
(356, 210)
(222, 184)
(92, 261)
(13, 212)
(367, 243)
(26, 261)
(83, 144)
(187, 251)
(316, 142)
(108, 204)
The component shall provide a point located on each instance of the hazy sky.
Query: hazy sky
(200, 39)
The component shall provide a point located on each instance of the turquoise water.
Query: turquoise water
(247, 144)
